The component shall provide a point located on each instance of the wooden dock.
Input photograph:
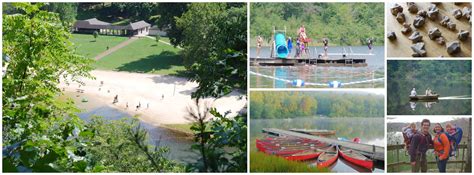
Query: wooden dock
(315, 132)
(372, 151)
(327, 62)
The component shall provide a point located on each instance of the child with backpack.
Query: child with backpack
(408, 132)
(454, 134)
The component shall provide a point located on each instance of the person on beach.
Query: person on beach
(162, 96)
(259, 45)
(419, 145)
(126, 106)
(441, 147)
(115, 99)
(138, 106)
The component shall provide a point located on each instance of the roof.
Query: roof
(94, 23)
(137, 25)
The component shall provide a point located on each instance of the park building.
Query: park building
(89, 26)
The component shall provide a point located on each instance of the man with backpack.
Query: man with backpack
(418, 146)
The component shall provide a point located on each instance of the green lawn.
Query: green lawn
(88, 47)
(144, 55)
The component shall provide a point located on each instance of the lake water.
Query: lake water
(319, 74)
(369, 130)
(180, 146)
(455, 97)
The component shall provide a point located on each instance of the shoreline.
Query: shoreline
(163, 99)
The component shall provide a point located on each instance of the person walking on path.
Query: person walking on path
(418, 146)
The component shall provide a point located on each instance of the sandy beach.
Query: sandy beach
(163, 99)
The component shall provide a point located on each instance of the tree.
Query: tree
(214, 43)
(157, 38)
(215, 47)
(168, 12)
(67, 11)
(95, 34)
(40, 133)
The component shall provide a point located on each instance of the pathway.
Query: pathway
(163, 42)
(115, 48)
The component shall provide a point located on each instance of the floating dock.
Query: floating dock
(371, 151)
(327, 62)
(315, 132)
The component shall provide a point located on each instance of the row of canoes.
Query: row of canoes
(302, 150)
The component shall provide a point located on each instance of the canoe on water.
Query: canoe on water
(424, 97)
(356, 158)
(328, 157)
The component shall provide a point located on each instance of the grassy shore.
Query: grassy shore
(183, 128)
(261, 162)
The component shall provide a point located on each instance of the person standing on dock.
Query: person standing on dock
(259, 45)
(298, 46)
(369, 44)
(326, 42)
(419, 145)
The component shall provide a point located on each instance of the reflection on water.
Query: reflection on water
(455, 99)
(369, 130)
(180, 147)
(318, 74)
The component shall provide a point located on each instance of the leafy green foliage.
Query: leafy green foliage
(122, 146)
(167, 20)
(43, 134)
(215, 47)
(297, 104)
(67, 11)
(39, 133)
(222, 140)
(353, 22)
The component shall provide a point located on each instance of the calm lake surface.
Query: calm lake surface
(180, 146)
(455, 97)
(369, 130)
(316, 74)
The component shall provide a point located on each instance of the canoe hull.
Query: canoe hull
(327, 158)
(424, 97)
(366, 163)
(303, 157)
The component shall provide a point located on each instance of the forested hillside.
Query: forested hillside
(302, 104)
(454, 71)
(353, 21)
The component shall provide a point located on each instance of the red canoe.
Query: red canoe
(356, 158)
(305, 155)
(328, 157)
